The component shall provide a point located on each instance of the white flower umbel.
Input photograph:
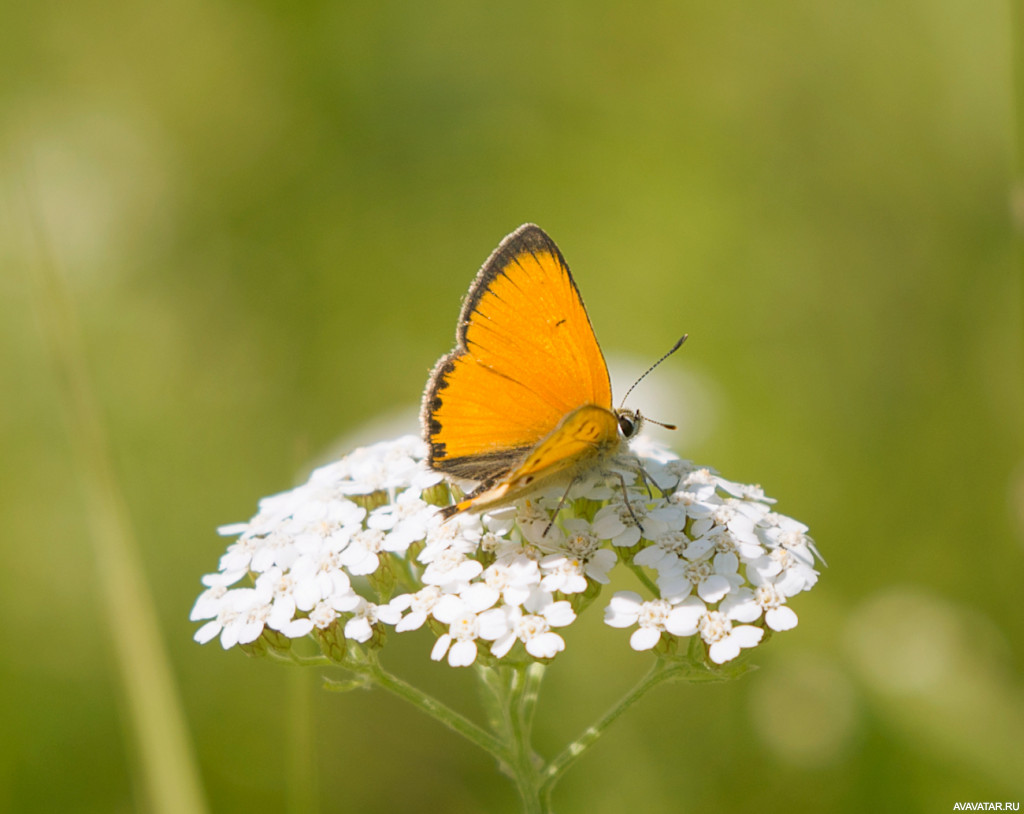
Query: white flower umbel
(360, 553)
(362, 548)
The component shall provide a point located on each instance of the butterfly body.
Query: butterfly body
(524, 400)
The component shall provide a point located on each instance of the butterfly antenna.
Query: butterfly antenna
(672, 350)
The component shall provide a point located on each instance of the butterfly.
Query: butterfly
(524, 400)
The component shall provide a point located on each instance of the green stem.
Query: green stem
(372, 671)
(526, 764)
(291, 657)
(556, 768)
(511, 694)
(534, 676)
(434, 708)
(301, 778)
(641, 575)
(511, 698)
(495, 699)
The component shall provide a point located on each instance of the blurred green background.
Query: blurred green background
(266, 214)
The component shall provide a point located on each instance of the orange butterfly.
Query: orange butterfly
(524, 400)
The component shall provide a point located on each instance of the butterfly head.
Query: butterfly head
(629, 421)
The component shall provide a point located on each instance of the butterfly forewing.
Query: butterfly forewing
(526, 358)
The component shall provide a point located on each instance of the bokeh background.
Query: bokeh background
(264, 216)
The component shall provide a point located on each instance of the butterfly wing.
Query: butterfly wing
(525, 358)
(581, 441)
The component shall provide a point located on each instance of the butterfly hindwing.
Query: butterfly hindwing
(579, 442)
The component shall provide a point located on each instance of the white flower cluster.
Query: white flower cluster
(723, 563)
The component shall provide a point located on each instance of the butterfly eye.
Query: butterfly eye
(629, 424)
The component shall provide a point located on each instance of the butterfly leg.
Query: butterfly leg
(561, 503)
(629, 503)
(645, 478)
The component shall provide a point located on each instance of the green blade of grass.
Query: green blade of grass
(150, 696)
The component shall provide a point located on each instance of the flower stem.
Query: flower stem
(511, 701)
(513, 695)
(441, 712)
(301, 777)
(659, 672)
(534, 676)
(646, 580)
(526, 763)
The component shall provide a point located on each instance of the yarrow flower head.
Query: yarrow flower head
(361, 551)
(380, 544)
